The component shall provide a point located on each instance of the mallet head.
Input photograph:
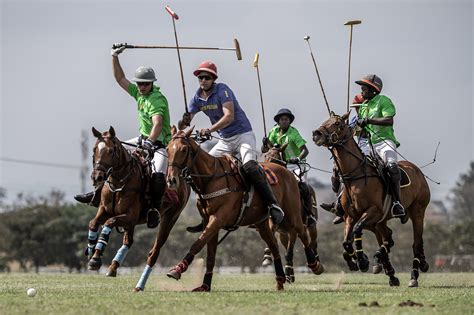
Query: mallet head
(237, 49)
(353, 22)
(306, 38)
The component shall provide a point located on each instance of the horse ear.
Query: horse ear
(112, 132)
(96, 133)
(189, 131)
(173, 130)
(346, 115)
(283, 147)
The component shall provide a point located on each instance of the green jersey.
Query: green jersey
(291, 136)
(379, 107)
(148, 106)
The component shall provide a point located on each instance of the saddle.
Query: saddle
(378, 164)
(236, 167)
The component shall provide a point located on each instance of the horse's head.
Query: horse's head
(275, 153)
(105, 155)
(179, 155)
(333, 131)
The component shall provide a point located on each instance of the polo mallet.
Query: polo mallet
(306, 38)
(174, 16)
(351, 24)
(236, 48)
(255, 64)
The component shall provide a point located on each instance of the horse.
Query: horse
(364, 199)
(275, 154)
(122, 201)
(221, 203)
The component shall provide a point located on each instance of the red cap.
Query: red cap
(207, 66)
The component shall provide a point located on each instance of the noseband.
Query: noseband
(332, 138)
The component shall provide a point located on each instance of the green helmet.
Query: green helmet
(144, 74)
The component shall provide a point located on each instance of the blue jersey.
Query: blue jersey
(212, 107)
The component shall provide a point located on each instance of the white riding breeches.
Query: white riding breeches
(386, 151)
(160, 158)
(244, 144)
(363, 144)
(297, 170)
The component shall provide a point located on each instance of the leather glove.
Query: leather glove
(149, 147)
(294, 160)
(265, 141)
(118, 48)
(205, 132)
(362, 122)
(186, 119)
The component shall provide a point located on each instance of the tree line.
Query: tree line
(48, 230)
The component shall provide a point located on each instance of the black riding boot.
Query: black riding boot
(91, 198)
(397, 208)
(157, 189)
(196, 229)
(307, 202)
(255, 174)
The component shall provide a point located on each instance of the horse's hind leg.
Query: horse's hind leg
(378, 266)
(312, 259)
(117, 261)
(267, 235)
(381, 255)
(210, 263)
(349, 253)
(419, 260)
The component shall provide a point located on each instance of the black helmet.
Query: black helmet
(372, 81)
(144, 74)
(284, 111)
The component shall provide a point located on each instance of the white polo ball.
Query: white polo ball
(31, 292)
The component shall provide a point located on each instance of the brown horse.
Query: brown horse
(122, 201)
(365, 193)
(221, 195)
(275, 154)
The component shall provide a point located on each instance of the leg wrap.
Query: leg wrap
(358, 245)
(144, 277)
(104, 238)
(310, 258)
(121, 253)
(279, 269)
(91, 241)
(348, 248)
(207, 280)
(289, 257)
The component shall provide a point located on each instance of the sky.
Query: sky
(56, 74)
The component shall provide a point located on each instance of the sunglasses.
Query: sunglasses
(204, 77)
(143, 83)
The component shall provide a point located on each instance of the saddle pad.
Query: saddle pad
(271, 176)
(405, 179)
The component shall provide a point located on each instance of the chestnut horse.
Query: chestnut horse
(365, 193)
(221, 194)
(275, 154)
(123, 203)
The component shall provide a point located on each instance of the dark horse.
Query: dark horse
(221, 195)
(122, 201)
(275, 154)
(364, 199)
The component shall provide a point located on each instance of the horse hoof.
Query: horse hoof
(320, 269)
(95, 263)
(290, 278)
(111, 273)
(394, 282)
(363, 263)
(413, 283)
(202, 288)
(377, 268)
(137, 289)
(174, 274)
(267, 262)
(280, 286)
(424, 267)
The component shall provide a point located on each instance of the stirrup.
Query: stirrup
(276, 213)
(338, 220)
(396, 215)
(196, 229)
(152, 218)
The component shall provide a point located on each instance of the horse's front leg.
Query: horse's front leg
(366, 219)
(117, 261)
(290, 246)
(126, 221)
(381, 255)
(168, 220)
(211, 230)
(210, 263)
(99, 219)
(349, 253)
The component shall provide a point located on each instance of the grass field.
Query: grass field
(446, 293)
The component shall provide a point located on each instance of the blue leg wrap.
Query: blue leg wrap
(143, 279)
(121, 253)
(104, 238)
(91, 241)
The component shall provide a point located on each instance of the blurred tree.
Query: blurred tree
(463, 196)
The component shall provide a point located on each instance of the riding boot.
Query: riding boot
(157, 189)
(255, 174)
(196, 229)
(335, 208)
(91, 198)
(397, 208)
(307, 202)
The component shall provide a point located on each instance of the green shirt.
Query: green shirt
(148, 106)
(379, 107)
(291, 136)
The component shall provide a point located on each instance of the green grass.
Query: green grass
(447, 293)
